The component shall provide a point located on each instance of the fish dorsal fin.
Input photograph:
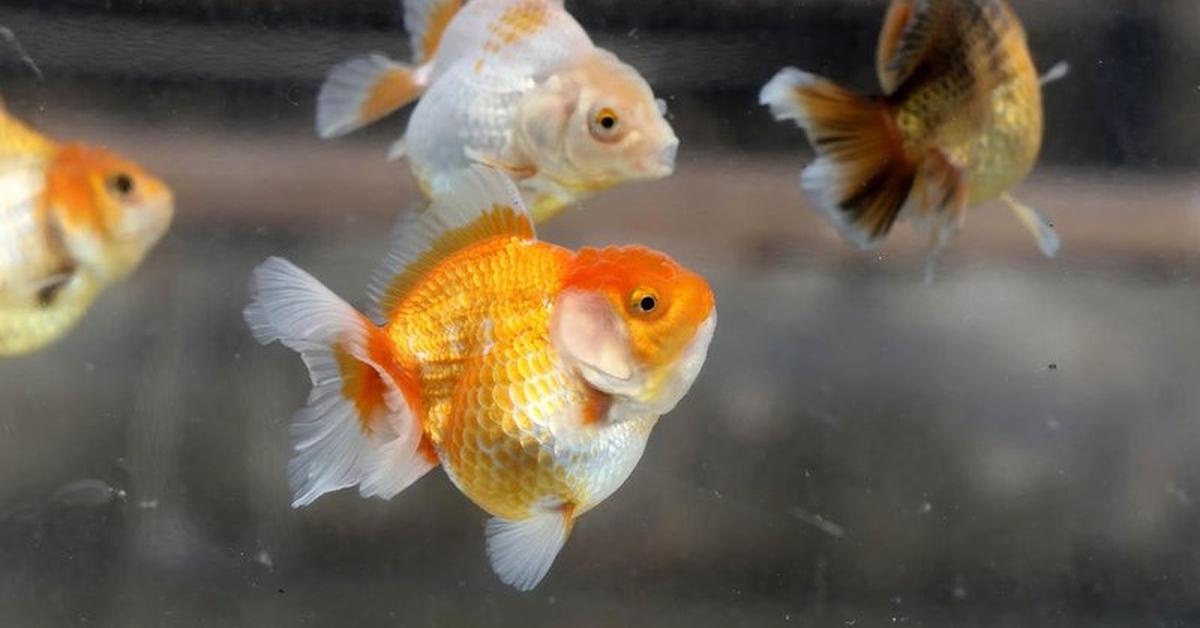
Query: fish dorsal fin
(426, 21)
(468, 207)
(912, 31)
(18, 140)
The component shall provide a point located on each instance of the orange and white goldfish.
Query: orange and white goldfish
(515, 84)
(959, 123)
(531, 373)
(73, 220)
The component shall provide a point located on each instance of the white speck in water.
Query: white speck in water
(148, 504)
(264, 559)
(819, 522)
(89, 367)
(926, 507)
(960, 588)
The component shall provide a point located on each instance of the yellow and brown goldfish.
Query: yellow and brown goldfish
(959, 123)
(531, 373)
(73, 219)
(516, 84)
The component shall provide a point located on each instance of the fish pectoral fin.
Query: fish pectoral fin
(47, 290)
(1058, 72)
(521, 551)
(397, 150)
(516, 171)
(1037, 224)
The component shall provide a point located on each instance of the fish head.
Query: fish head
(635, 324)
(111, 210)
(598, 124)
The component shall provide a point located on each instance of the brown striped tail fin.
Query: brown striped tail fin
(862, 177)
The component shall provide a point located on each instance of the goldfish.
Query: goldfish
(531, 374)
(74, 219)
(959, 122)
(515, 84)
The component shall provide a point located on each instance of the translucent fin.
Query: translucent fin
(521, 552)
(358, 427)
(426, 21)
(1036, 223)
(1058, 72)
(467, 207)
(397, 150)
(862, 176)
(365, 89)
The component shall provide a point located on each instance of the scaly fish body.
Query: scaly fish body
(532, 374)
(979, 101)
(73, 219)
(959, 123)
(516, 84)
(515, 441)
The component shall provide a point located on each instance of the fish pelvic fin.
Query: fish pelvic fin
(1037, 224)
(361, 425)
(862, 176)
(426, 21)
(468, 207)
(365, 89)
(521, 551)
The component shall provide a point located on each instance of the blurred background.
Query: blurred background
(1014, 445)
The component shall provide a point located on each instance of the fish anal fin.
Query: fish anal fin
(361, 425)
(521, 551)
(468, 207)
(365, 89)
(941, 186)
(940, 196)
(426, 22)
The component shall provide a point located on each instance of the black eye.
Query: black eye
(647, 304)
(608, 122)
(122, 183)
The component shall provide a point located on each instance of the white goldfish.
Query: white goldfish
(515, 84)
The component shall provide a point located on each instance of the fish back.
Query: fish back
(500, 43)
(945, 62)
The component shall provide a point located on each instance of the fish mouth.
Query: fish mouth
(664, 162)
(680, 377)
(148, 222)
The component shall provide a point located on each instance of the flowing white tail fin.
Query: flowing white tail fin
(358, 427)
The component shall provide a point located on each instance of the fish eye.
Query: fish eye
(643, 301)
(605, 123)
(121, 183)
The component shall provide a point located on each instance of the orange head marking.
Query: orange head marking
(110, 209)
(662, 304)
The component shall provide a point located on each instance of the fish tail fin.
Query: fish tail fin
(361, 425)
(365, 89)
(863, 175)
(426, 21)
